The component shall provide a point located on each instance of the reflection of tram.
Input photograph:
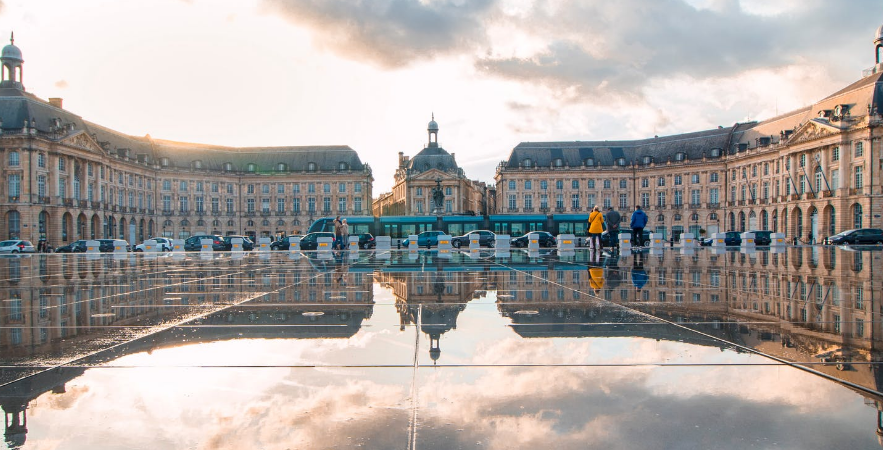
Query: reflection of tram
(512, 224)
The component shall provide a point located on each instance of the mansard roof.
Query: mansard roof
(433, 157)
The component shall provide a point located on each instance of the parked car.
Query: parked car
(366, 241)
(311, 241)
(284, 243)
(485, 239)
(73, 247)
(194, 243)
(163, 244)
(109, 245)
(17, 246)
(762, 237)
(426, 239)
(247, 243)
(730, 238)
(859, 236)
(545, 239)
(607, 242)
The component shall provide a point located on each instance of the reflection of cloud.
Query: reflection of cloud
(71, 395)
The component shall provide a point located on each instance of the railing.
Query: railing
(752, 202)
(280, 213)
(713, 205)
(677, 206)
(660, 207)
(216, 212)
(695, 205)
(231, 213)
(83, 203)
(13, 199)
(68, 202)
(247, 214)
(827, 194)
(168, 212)
(794, 197)
(265, 213)
(96, 205)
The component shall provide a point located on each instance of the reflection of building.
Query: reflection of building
(416, 180)
(69, 179)
(807, 173)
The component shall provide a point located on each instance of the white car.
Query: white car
(17, 246)
(163, 245)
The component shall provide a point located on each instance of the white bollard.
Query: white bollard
(718, 240)
(92, 247)
(656, 240)
(353, 244)
(294, 244)
(177, 245)
(324, 244)
(264, 244)
(777, 240)
(688, 240)
(151, 246)
(205, 245)
(566, 242)
(625, 242)
(444, 245)
(748, 240)
(503, 242)
(533, 242)
(412, 242)
(382, 243)
(474, 241)
(236, 245)
(120, 246)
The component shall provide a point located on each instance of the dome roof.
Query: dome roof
(432, 126)
(879, 35)
(11, 52)
(433, 158)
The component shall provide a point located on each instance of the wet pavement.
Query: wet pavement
(408, 350)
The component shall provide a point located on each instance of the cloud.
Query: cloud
(61, 84)
(390, 33)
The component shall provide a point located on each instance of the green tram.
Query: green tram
(399, 227)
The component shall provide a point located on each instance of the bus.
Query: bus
(400, 227)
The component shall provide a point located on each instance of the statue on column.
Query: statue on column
(438, 197)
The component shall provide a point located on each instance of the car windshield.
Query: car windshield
(7, 243)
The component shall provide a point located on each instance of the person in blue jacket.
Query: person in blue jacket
(639, 221)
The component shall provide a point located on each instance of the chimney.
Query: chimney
(56, 102)
(401, 158)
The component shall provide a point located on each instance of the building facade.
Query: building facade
(69, 179)
(416, 180)
(809, 173)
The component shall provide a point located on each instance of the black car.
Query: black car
(731, 238)
(607, 242)
(485, 239)
(366, 240)
(859, 236)
(194, 243)
(73, 247)
(762, 237)
(545, 239)
(311, 241)
(107, 245)
(247, 243)
(284, 243)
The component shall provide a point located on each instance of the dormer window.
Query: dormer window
(281, 167)
(620, 162)
(527, 163)
(647, 160)
(680, 156)
(342, 166)
(715, 153)
(164, 162)
(197, 164)
(590, 162)
(558, 162)
(311, 167)
(228, 167)
(251, 167)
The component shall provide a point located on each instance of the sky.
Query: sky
(370, 74)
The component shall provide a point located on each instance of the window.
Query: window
(527, 186)
(41, 162)
(341, 204)
(311, 204)
(167, 202)
(607, 203)
(527, 162)
(528, 201)
(230, 209)
(249, 205)
(606, 184)
(859, 180)
(574, 201)
(695, 196)
(802, 160)
(265, 189)
(694, 178)
(623, 201)
(835, 154)
(835, 179)
(544, 185)
(660, 181)
(678, 180)
(660, 199)
(753, 171)
(341, 188)
(645, 182)
(766, 168)
(230, 188)
(265, 205)
(183, 186)
(326, 204)
(448, 190)
(183, 204)
(216, 204)
(620, 162)
(295, 205)
(859, 149)
(857, 216)
(544, 202)
(645, 199)
(199, 204)
(419, 191)
(712, 177)
(280, 205)
(41, 185)
(623, 183)
(559, 184)
(199, 187)
(61, 164)
(559, 201)
(326, 188)
(590, 183)
(511, 185)
(14, 185)
(679, 198)
(574, 184)
(13, 159)
(558, 162)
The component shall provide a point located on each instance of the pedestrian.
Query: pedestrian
(345, 232)
(596, 227)
(639, 221)
(613, 218)
(338, 232)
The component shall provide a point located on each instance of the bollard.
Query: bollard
(382, 243)
(324, 245)
(718, 240)
(533, 242)
(151, 246)
(177, 245)
(444, 244)
(474, 241)
(625, 241)
(688, 240)
(412, 242)
(566, 242)
(120, 246)
(656, 240)
(236, 245)
(205, 245)
(264, 244)
(748, 240)
(294, 244)
(777, 240)
(503, 242)
(353, 244)
(92, 247)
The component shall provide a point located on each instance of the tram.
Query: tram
(399, 227)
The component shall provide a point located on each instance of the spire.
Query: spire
(12, 37)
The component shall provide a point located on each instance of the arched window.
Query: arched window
(775, 221)
(660, 218)
(764, 220)
(200, 223)
(694, 217)
(185, 223)
(798, 223)
(280, 223)
(677, 218)
(265, 223)
(164, 162)
(832, 222)
(228, 167)
(590, 162)
(742, 222)
(281, 167)
(857, 215)
(197, 164)
(311, 167)
(250, 223)
(558, 162)
(712, 216)
(680, 156)
(620, 162)
(229, 223)
(732, 222)
(342, 166)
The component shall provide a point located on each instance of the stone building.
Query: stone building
(417, 178)
(69, 179)
(809, 173)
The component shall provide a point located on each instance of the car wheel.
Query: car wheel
(456, 244)
(490, 244)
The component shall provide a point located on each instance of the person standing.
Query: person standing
(338, 232)
(639, 221)
(596, 227)
(345, 232)
(613, 218)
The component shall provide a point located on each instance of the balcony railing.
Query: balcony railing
(249, 214)
(660, 207)
(265, 213)
(231, 213)
(168, 212)
(827, 194)
(695, 205)
(13, 199)
(96, 205)
(280, 213)
(677, 206)
(83, 203)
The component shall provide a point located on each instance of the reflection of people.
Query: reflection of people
(596, 227)
(639, 275)
(596, 275)
(639, 221)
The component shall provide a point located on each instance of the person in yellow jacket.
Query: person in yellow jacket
(596, 227)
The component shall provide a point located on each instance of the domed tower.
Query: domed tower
(433, 132)
(12, 65)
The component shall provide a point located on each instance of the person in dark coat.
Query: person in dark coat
(639, 221)
(613, 218)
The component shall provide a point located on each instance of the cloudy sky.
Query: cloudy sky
(369, 74)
